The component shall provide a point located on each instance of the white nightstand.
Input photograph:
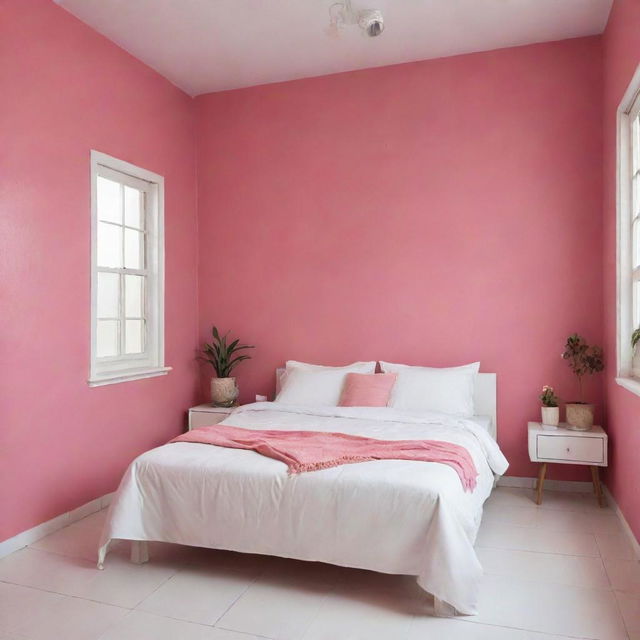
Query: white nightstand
(565, 446)
(204, 415)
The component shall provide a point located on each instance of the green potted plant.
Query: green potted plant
(223, 357)
(550, 409)
(583, 359)
(635, 339)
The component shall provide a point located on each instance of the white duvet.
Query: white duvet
(392, 516)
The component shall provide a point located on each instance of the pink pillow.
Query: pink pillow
(367, 389)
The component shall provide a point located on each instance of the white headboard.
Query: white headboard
(484, 399)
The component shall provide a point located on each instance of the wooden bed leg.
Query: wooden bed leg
(139, 551)
(443, 609)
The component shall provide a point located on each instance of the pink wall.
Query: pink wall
(436, 213)
(621, 52)
(65, 90)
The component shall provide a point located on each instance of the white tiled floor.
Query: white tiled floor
(562, 570)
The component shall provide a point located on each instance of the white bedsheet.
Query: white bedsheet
(392, 516)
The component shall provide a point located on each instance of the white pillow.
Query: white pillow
(448, 390)
(316, 385)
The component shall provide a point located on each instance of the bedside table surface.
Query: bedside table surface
(209, 408)
(562, 430)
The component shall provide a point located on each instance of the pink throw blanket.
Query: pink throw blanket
(313, 450)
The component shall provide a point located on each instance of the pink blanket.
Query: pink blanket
(313, 450)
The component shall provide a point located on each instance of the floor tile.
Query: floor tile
(518, 516)
(606, 522)
(614, 546)
(624, 575)
(71, 619)
(552, 608)
(197, 594)
(79, 539)
(139, 625)
(121, 583)
(558, 521)
(579, 571)
(510, 497)
(630, 607)
(279, 605)
(425, 628)
(528, 539)
(366, 614)
(17, 603)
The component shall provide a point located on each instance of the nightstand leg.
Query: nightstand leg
(541, 475)
(595, 476)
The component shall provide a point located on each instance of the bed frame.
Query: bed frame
(484, 397)
(484, 405)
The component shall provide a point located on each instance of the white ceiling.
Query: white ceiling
(212, 45)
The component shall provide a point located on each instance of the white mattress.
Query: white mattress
(392, 516)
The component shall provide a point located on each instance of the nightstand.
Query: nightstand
(565, 446)
(204, 415)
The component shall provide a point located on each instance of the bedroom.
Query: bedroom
(446, 192)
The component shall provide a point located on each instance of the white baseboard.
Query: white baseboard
(625, 525)
(40, 531)
(551, 485)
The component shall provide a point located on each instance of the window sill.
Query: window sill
(100, 381)
(632, 384)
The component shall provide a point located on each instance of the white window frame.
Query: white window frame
(628, 110)
(151, 363)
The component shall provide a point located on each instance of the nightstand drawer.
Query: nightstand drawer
(571, 449)
(206, 418)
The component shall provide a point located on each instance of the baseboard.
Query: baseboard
(40, 531)
(551, 485)
(625, 525)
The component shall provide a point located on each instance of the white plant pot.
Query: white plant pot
(224, 392)
(551, 416)
(579, 416)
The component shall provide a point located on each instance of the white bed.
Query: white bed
(391, 516)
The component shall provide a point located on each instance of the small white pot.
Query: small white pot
(579, 416)
(224, 392)
(635, 365)
(551, 416)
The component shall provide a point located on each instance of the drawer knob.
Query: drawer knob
(568, 450)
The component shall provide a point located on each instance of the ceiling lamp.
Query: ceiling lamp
(342, 13)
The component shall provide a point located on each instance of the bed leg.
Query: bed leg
(139, 551)
(443, 609)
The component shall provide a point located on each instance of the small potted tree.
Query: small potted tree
(583, 359)
(550, 409)
(635, 339)
(223, 357)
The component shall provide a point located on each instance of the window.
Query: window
(127, 279)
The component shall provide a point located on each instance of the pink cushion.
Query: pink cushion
(367, 389)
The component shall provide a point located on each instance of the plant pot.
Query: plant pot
(551, 416)
(579, 416)
(224, 392)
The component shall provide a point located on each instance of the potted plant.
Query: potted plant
(222, 356)
(550, 409)
(635, 339)
(583, 360)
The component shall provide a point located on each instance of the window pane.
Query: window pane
(107, 338)
(108, 295)
(132, 207)
(109, 245)
(133, 288)
(134, 340)
(109, 200)
(133, 249)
